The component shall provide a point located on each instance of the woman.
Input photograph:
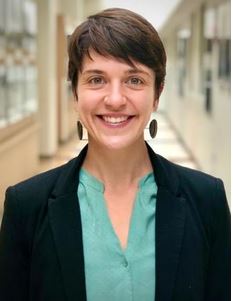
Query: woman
(118, 222)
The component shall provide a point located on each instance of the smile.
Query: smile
(114, 121)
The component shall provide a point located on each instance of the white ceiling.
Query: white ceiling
(156, 11)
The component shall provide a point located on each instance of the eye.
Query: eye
(96, 80)
(135, 81)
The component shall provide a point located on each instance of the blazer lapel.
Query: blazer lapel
(170, 222)
(65, 221)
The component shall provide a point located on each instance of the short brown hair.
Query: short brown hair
(118, 33)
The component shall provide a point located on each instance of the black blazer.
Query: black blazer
(41, 250)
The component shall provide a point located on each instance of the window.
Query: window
(209, 35)
(224, 44)
(18, 72)
(183, 36)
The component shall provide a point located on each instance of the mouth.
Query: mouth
(115, 120)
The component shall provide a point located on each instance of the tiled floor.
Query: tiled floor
(167, 143)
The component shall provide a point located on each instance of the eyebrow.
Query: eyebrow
(91, 71)
(136, 70)
(130, 71)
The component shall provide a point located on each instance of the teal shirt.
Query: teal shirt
(112, 273)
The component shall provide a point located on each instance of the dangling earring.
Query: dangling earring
(80, 130)
(153, 128)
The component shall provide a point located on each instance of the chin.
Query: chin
(118, 143)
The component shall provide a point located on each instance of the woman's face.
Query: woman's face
(115, 101)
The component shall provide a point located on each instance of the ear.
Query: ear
(156, 102)
(75, 103)
(155, 105)
(160, 90)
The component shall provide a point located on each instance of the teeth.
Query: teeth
(115, 119)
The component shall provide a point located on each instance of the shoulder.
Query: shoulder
(30, 197)
(26, 206)
(195, 180)
(43, 181)
(201, 190)
(35, 191)
(175, 177)
(191, 180)
(204, 193)
(204, 196)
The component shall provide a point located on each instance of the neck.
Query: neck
(117, 168)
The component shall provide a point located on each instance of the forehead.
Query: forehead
(96, 61)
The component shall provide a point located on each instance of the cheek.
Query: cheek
(87, 98)
(82, 108)
(147, 103)
(83, 100)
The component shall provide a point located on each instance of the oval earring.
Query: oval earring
(153, 128)
(80, 130)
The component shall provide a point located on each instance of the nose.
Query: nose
(115, 98)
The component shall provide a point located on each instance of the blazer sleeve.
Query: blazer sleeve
(218, 280)
(14, 262)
